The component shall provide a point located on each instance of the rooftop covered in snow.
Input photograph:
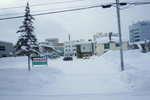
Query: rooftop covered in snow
(106, 39)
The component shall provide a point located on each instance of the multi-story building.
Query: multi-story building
(79, 48)
(53, 41)
(51, 48)
(70, 48)
(48, 51)
(139, 31)
(6, 49)
(85, 48)
(45, 43)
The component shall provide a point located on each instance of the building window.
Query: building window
(83, 48)
(144, 24)
(137, 40)
(73, 45)
(4, 55)
(131, 31)
(2, 48)
(137, 36)
(136, 29)
(137, 33)
(106, 46)
(117, 45)
(74, 50)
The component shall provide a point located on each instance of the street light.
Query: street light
(119, 29)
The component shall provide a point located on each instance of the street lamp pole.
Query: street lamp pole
(120, 37)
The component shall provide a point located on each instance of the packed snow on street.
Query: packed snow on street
(97, 78)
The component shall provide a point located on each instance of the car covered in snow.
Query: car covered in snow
(68, 58)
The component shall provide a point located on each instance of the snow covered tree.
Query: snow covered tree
(27, 43)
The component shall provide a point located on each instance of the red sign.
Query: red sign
(39, 59)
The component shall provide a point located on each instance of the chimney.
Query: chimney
(110, 34)
(69, 37)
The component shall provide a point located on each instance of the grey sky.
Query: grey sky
(80, 24)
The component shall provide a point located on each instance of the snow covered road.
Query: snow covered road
(74, 97)
(81, 79)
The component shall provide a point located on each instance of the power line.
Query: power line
(51, 3)
(111, 4)
(68, 10)
(74, 9)
(133, 3)
(129, 4)
(11, 17)
(53, 12)
(140, 3)
(58, 2)
(50, 9)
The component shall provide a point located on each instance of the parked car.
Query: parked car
(68, 58)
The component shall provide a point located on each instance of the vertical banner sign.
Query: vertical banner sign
(39, 61)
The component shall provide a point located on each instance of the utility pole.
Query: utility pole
(29, 62)
(120, 36)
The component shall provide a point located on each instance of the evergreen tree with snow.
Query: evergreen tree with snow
(27, 43)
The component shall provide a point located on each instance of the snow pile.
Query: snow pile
(15, 76)
(137, 69)
(89, 76)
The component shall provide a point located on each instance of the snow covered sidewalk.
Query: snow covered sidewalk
(90, 76)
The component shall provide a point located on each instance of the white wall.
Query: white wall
(70, 48)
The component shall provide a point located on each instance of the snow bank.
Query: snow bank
(137, 69)
(89, 76)
(14, 74)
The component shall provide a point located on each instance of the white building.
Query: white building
(103, 45)
(139, 31)
(79, 48)
(70, 48)
(108, 42)
(53, 41)
(6, 49)
(48, 50)
(85, 49)
(45, 43)
(51, 48)
(98, 35)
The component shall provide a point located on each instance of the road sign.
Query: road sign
(39, 61)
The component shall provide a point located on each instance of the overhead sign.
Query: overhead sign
(39, 61)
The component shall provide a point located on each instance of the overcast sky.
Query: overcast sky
(79, 24)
